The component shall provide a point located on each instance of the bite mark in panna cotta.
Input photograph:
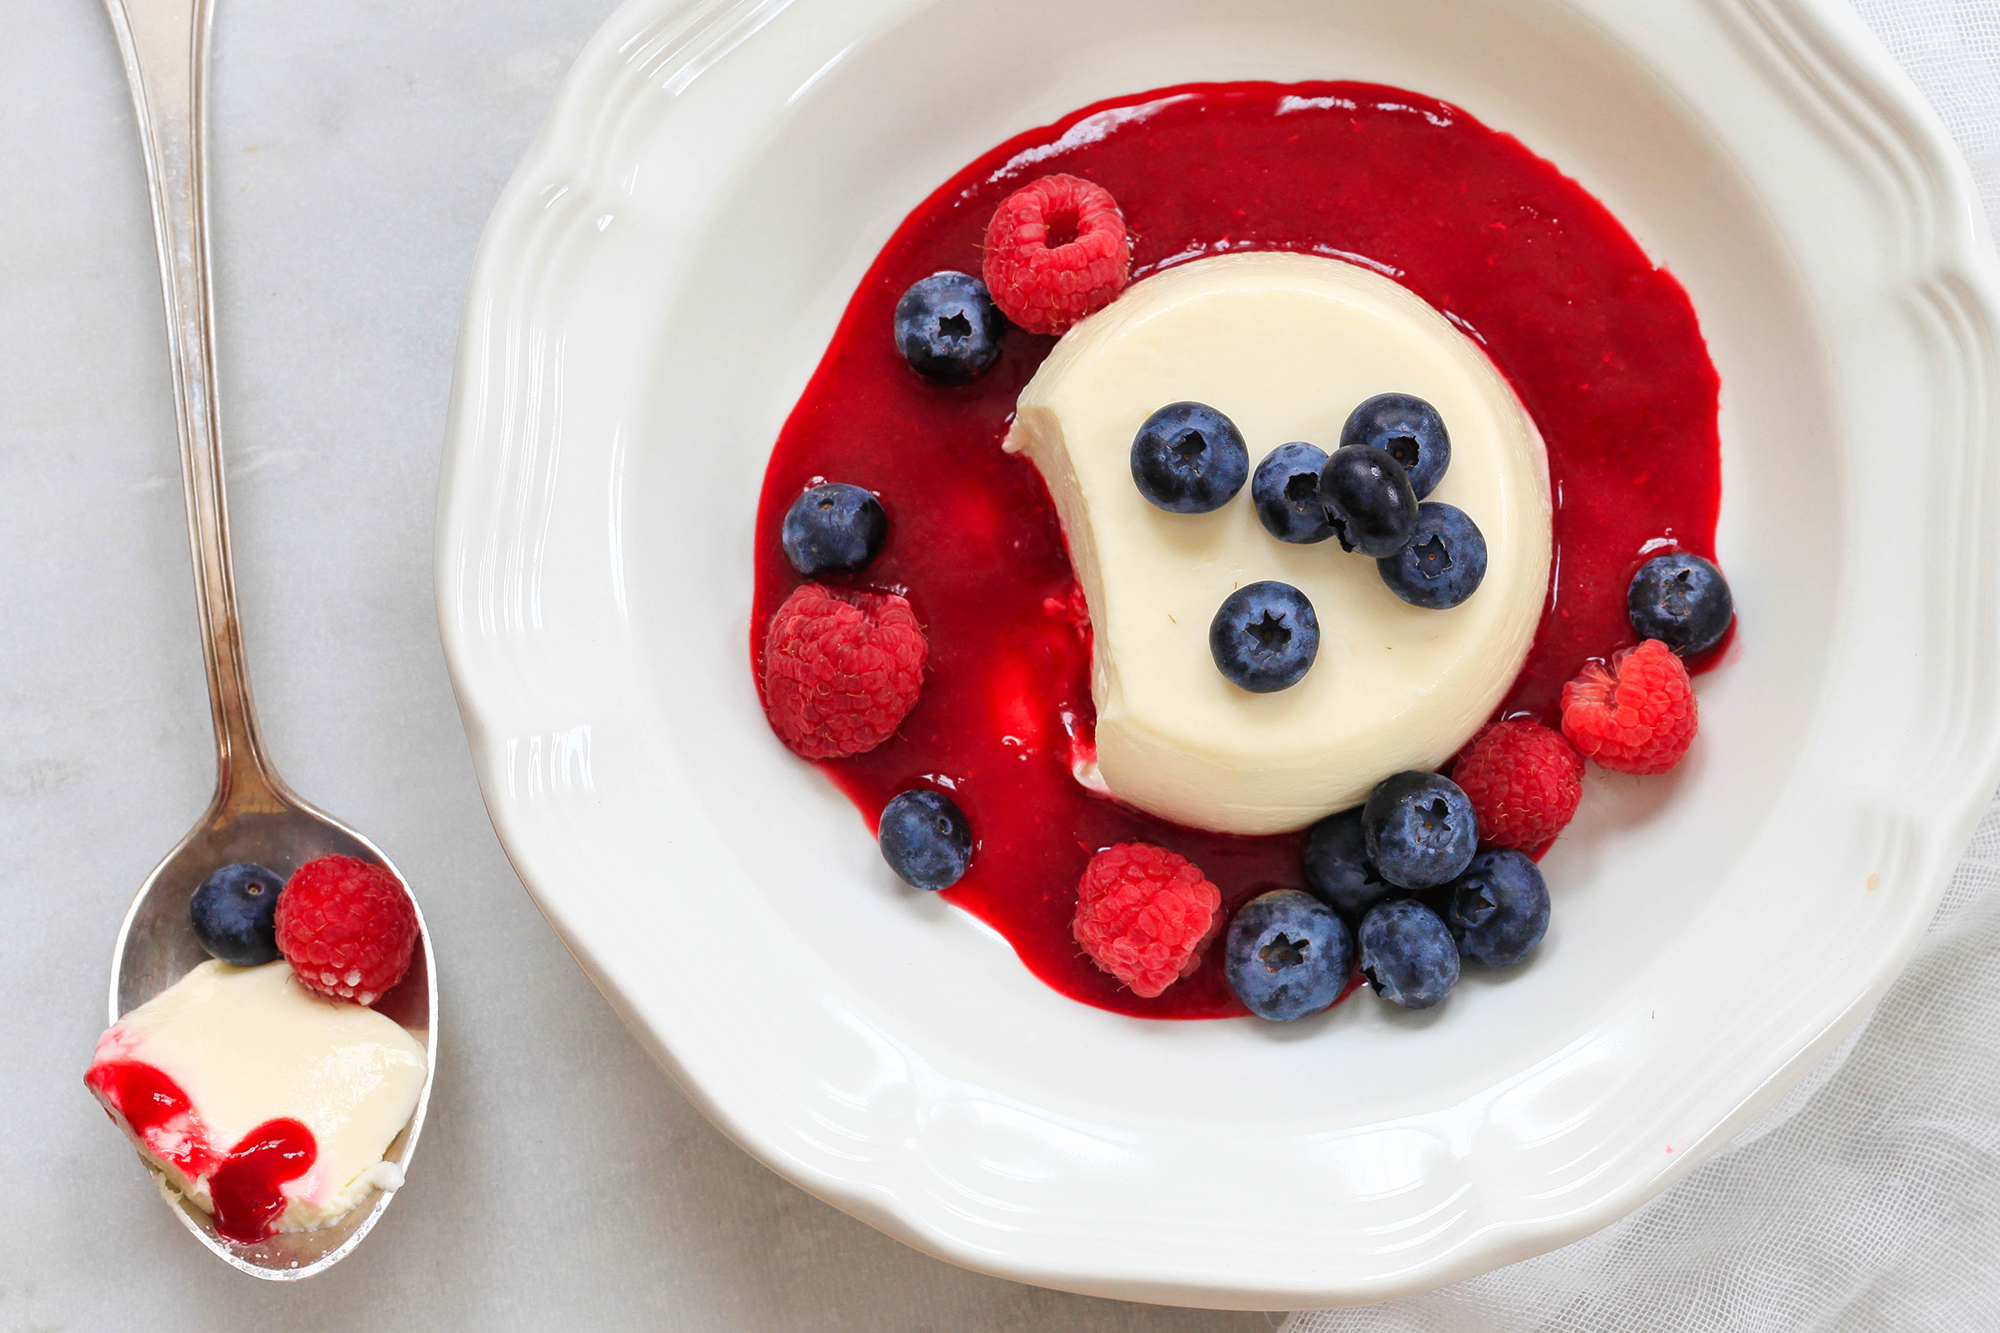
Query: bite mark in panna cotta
(259, 1102)
(1285, 345)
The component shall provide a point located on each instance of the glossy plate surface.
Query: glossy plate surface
(653, 290)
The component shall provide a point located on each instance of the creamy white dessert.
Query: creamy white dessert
(240, 1048)
(1286, 346)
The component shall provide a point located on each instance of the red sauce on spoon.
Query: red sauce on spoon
(246, 1186)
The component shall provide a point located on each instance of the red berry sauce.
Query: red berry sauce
(245, 1188)
(246, 1184)
(1601, 346)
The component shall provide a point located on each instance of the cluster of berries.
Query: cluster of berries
(1431, 871)
(1056, 251)
(347, 926)
(1399, 887)
(1368, 494)
(843, 667)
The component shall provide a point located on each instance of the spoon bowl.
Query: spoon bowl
(157, 947)
(254, 817)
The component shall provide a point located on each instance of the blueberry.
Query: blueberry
(1410, 430)
(1420, 829)
(1287, 955)
(1264, 637)
(1285, 490)
(1444, 562)
(1407, 953)
(1498, 910)
(925, 838)
(1368, 500)
(235, 914)
(1338, 869)
(1188, 458)
(1681, 600)
(948, 328)
(833, 528)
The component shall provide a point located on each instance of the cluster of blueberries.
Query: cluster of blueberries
(1399, 885)
(1368, 495)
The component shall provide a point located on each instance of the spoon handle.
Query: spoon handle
(165, 47)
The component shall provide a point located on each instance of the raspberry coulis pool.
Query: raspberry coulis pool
(1601, 346)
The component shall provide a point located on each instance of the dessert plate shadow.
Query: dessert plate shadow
(661, 277)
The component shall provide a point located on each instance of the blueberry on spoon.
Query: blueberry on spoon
(235, 914)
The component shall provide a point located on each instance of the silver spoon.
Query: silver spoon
(254, 817)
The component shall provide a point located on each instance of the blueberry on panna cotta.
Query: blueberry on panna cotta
(1188, 458)
(1420, 830)
(1264, 637)
(1409, 430)
(1681, 600)
(833, 528)
(1287, 955)
(925, 839)
(1368, 500)
(235, 914)
(1338, 869)
(1442, 564)
(1407, 953)
(1285, 490)
(1498, 910)
(948, 328)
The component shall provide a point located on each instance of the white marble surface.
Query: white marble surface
(562, 1182)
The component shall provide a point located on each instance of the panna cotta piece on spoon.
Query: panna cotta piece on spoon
(264, 1105)
(1285, 345)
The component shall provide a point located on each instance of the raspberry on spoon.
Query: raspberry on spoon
(347, 927)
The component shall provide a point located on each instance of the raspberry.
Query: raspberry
(1636, 717)
(1144, 914)
(841, 670)
(1524, 781)
(347, 927)
(1055, 252)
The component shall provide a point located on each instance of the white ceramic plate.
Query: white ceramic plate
(653, 290)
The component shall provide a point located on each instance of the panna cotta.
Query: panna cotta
(261, 1103)
(1285, 345)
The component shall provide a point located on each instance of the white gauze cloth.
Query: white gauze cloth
(1868, 1201)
